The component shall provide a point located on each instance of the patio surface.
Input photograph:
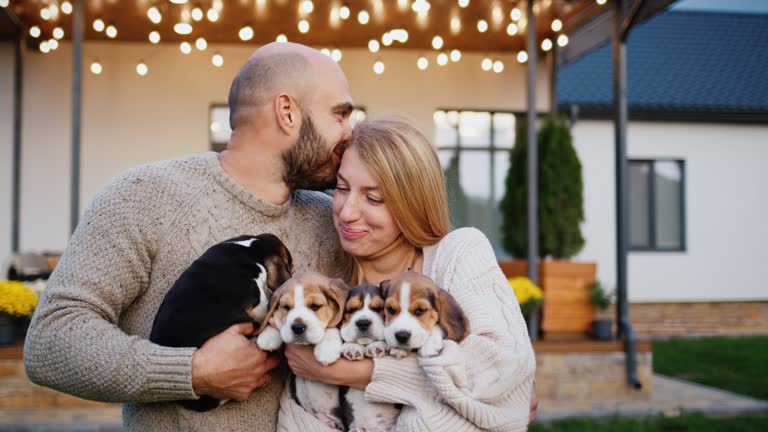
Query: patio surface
(670, 397)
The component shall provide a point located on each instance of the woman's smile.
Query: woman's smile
(349, 233)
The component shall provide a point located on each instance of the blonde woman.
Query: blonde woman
(390, 211)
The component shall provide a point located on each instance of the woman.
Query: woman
(390, 210)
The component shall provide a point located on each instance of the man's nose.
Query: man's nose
(347, 130)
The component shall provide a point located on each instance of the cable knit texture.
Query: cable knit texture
(89, 334)
(483, 383)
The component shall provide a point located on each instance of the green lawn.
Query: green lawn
(692, 423)
(737, 364)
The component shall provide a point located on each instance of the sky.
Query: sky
(744, 6)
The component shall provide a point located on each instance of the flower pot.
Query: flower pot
(22, 325)
(532, 321)
(602, 329)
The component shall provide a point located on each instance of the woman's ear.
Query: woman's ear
(450, 317)
(287, 114)
(337, 291)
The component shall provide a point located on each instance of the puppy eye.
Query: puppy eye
(377, 309)
(315, 307)
(390, 310)
(286, 307)
(419, 312)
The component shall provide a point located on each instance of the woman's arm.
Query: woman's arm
(301, 360)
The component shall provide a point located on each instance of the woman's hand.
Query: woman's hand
(301, 360)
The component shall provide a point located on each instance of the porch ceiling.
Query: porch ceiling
(457, 25)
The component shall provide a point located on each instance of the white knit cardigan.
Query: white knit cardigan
(483, 383)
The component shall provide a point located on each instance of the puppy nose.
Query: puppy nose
(298, 328)
(363, 324)
(402, 336)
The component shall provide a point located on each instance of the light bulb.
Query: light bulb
(482, 26)
(378, 67)
(307, 6)
(66, 7)
(522, 57)
(201, 43)
(182, 28)
(463, 3)
(546, 45)
(442, 59)
(212, 15)
(336, 55)
(437, 42)
(498, 66)
(344, 12)
(373, 45)
(217, 60)
(515, 14)
(246, 33)
(112, 31)
(142, 69)
(185, 47)
(562, 40)
(557, 25)
(154, 15)
(487, 64)
(363, 17)
(455, 55)
(197, 14)
(303, 26)
(98, 25)
(58, 33)
(422, 63)
(44, 48)
(154, 36)
(512, 29)
(281, 38)
(96, 68)
(34, 31)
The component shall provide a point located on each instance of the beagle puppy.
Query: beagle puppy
(306, 310)
(362, 330)
(230, 283)
(420, 315)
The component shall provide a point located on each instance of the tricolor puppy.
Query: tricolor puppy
(306, 310)
(419, 315)
(362, 330)
(229, 284)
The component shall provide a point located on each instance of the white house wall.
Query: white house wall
(128, 119)
(725, 210)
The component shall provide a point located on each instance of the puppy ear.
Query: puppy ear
(337, 292)
(274, 301)
(385, 286)
(451, 317)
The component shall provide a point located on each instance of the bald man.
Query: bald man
(289, 112)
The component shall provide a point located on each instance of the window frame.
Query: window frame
(652, 223)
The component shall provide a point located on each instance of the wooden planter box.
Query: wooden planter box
(567, 309)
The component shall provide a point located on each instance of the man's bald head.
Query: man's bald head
(273, 69)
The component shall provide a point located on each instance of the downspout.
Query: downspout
(18, 76)
(533, 163)
(78, 19)
(619, 36)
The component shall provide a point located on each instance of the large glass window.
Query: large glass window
(473, 147)
(656, 205)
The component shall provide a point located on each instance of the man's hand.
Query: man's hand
(534, 404)
(230, 366)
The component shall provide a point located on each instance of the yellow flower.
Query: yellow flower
(528, 294)
(16, 299)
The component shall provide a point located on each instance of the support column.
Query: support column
(78, 14)
(533, 162)
(18, 82)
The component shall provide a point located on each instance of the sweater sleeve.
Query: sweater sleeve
(487, 378)
(74, 344)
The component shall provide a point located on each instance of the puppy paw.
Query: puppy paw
(353, 351)
(328, 350)
(376, 349)
(269, 339)
(398, 353)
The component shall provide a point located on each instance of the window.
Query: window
(473, 147)
(656, 205)
(219, 131)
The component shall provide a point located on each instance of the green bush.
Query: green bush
(560, 204)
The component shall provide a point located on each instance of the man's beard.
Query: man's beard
(309, 164)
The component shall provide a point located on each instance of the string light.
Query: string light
(463, 3)
(557, 25)
(197, 14)
(201, 44)
(154, 15)
(515, 14)
(344, 12)
(182, 28)
(437, 42)
(455, 55)
(562, 40)
(400, 35)
(246, 33)
(336, 55)
(58, 33)
(281, 38)
(373, 45)
(154, 37)
(53, 44)
(303, 26)
(363, 17)
(45, 14)
(512, 29)
(601, 2)
(34, 31)
(307, 6)
(442, 59)
(455, 25)
(386, 39)
(98, 25)
(111, 31)
(486, 64)
(498, 66)
(378, 67)
(420, 6)
(546, 45)
(179, 2)
(422, 63)
(482, 26)
(44, 48)
(185, 47)
(96, 67)
(217, 60)
(142, 68)
(522, 57)
(212, 15)
(66, 7)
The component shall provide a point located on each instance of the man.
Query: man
(290, 108)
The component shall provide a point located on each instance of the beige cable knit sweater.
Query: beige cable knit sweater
(88, 335)
(485, 382)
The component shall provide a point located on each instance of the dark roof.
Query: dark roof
(680, 64)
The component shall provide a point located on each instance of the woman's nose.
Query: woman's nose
(349, 210)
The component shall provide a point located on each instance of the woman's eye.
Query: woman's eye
(375, 201)
(419, 312)
(315, 307)
(391, 310)
(342, 188)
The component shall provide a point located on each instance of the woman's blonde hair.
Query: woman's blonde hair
(406, 168)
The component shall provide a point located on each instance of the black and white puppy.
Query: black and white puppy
(362, 329)
(229, 284)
